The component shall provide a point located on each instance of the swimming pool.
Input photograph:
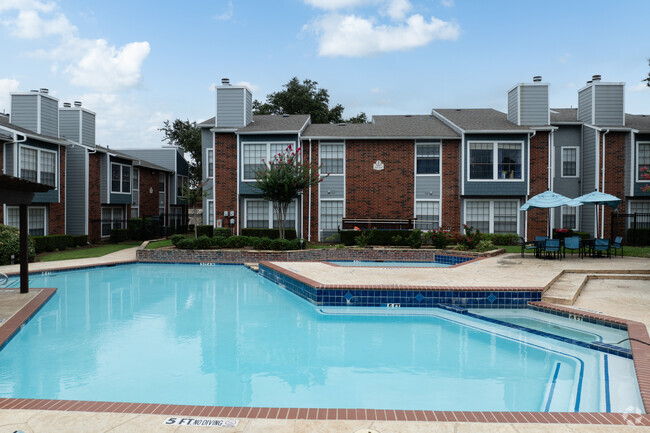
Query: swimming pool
(223, 335)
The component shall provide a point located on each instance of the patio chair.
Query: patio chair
(527, 245)
(539, 244)
(618, 245)
(552, 248)
(600, 246)
(572, 243)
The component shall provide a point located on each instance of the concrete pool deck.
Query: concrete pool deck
(628, 299)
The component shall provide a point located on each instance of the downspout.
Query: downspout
(602, 208)
(550, 174)
(532, 134)
(309, 204)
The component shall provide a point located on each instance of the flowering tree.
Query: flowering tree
(645, 174)
(283, 179)
(193, 195)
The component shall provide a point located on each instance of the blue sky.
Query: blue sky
(136, 64)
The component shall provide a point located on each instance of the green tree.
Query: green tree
(193, 195)
(303, 98)
(283, 179)
(647, 80)
(187, 136)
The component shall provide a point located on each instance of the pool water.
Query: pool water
(225, 336)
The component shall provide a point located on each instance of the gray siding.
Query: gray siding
(103, 178)
(584, 105)
(332, 187)
(588, 177)
(513, 106)
(249, 107)
(567, 136)
(76, 197)
(24, 109)
(534, 105)
(51, 196)
(88, 128)
(69, 124)
(49, 116)
(163, 157)
(609, 105)
(230, 107)
(424, 185)
(9, 159)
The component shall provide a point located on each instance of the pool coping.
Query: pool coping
(640, 352)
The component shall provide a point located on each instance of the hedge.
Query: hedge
(502, 238)
(570, 233)
(80, 240)
(638, 237)
(222, 231)
(54, 242)
(119, 235)
(379, 237)
(10, 245)
(206, 230)
(269, 233)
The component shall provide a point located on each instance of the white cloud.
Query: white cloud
(397, 9)
(253, 88)
(337, 4)
(640, 87)
(376, 90)
(447, 3)
(225, 16)
(353, 36)
(7, 85)
(564, 58)
(90, 63)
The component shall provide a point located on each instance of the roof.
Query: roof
(480, 119)
(206, 123)
(4, 121)
(641, 122)
(21, 185)
(271, 123)
(406, 126)
(136, 161)
(564, 115)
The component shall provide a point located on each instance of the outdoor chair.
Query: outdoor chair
(618, 245)
(527, 245)
(552, 248)
(600, 246)
(572, 243)
(539, 244)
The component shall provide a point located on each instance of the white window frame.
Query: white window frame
(270, 213)
(122, 223)
(495, 163)
(180, 180)
(135, 187)
(209, 173)
(563, 210)
(320, 154)
(38, 163)
(320, 224)
(636, 166)
(577, 149)
(432, 143)
(29, 209)
(121, 175)
(210, 205)
(416, 207)
(268, 157)
(491, 215)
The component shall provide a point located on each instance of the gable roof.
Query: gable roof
(640, 122)
(5, 123)
(480, 120)
(271, 123)
(564, 115)
(404, 126)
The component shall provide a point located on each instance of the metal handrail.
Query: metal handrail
(3, 279)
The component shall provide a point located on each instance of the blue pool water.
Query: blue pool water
(389, 264)
(223, 335)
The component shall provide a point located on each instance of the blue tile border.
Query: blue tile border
(584, 318)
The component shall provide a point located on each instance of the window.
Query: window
(36, 219)
(507, 155)
(135, 194)
(256, 155)
(428, 158)
(161, 193)
(427, 214)
(38, 165)
(210, 161)
(643, 158)
(492, 216)
(331, 214)
(257, 214)
(120, 178)
(290, 218)
(569, 217)
(112, 218)
(331, 158)
(180, 182)
(639, 207)
(569, 162)
(210, 213)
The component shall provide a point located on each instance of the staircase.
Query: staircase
(565, 289)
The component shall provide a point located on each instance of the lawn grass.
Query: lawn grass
(86, 252)
(159, 244)
(628, 251)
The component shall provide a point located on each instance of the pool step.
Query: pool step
(255, 267)
(565, 290)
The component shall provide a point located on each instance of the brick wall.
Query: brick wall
(148, 200)
(614, 179)
(450, 178)
(386, 193)
(538, 218)
(56, 211)
(225, 174)
(94, 198)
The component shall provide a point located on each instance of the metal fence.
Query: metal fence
(633, 227)
(157, 225)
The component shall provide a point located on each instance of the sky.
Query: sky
(137, 64)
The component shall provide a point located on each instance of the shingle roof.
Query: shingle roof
(207, 123)
(4, 121)
(638, 121)
(408, 126)
(276, 123)
(480, 119)
(564, 115)
(137, 161)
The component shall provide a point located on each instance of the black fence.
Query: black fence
(633, 227)
(148, 227)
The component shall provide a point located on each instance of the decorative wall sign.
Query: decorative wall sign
(378, 165)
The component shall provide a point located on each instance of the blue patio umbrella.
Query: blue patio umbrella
(597, 198)
(546, 200)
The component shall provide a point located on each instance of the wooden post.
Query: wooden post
(24, 254)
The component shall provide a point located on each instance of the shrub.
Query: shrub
(10, 245)
(263, 244)
(218, 241)
(206, 230)
(485, 245)
(185, 244)
(269, 233)
(40, 243)
(294, 244)
(415, 239)
(567, 233)
(438, 238)
(503, 238)
(471, 238)
(80, 240)
(236, 242)
(119, 235)
(364, 238)
(176, 238)
(222, 231)
(282, 244)
(203, 243)
(379, 237)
